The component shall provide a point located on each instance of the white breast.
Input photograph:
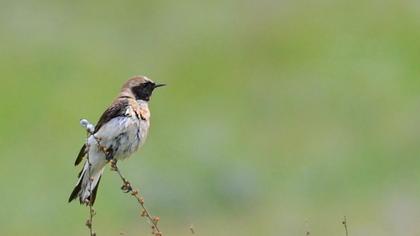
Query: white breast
(124, 134)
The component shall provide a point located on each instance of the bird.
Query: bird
(121, 130)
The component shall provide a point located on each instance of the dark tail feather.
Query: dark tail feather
(80, 156)
(75, 192)
(92, 197)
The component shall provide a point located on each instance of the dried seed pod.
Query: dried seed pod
(88, 223)
(143, 213)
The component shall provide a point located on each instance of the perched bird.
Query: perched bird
(120, 131)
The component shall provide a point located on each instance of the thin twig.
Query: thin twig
(89, 222)
(192, 229)
(345, 225)
(126, 187)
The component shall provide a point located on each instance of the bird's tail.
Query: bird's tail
(88, 184)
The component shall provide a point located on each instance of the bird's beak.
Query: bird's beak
(159, 85)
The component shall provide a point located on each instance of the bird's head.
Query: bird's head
(141, 87)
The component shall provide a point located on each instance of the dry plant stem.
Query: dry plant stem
(127, 187)
(89, 222)
(192, 229)
(345, 225)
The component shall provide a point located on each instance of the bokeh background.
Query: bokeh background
(279, 117)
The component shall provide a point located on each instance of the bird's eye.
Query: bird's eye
(150, 85)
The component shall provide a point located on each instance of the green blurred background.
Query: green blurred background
(279, 117)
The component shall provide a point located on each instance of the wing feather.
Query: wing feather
(117, 109)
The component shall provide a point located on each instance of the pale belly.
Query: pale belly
(123, 135)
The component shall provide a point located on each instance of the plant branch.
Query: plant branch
(89, 221)
(127, 188)
(345, 225)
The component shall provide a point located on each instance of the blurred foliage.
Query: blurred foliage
(278, 117)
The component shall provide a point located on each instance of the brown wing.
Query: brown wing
(118, 108)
